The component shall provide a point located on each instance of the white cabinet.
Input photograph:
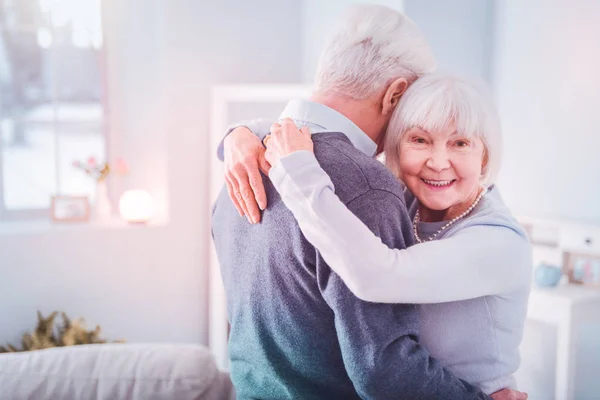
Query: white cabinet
(567, 307)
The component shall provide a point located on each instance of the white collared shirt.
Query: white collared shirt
(315, 116)
(320, 118)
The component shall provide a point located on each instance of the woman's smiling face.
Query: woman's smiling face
(442, 169)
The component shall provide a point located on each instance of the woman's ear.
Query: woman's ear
(392, 95)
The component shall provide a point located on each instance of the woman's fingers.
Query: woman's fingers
(236, 195)
(275, 128)
(233, 197)
(305, 131)
(266, 140)
(285, 139)
(256, 183)
(245, 194)
(246, 189)
(242, 153)
(288, 124)
(288, 128)
(270, 157)
(265, 167)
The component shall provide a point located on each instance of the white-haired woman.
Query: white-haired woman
(471, 267)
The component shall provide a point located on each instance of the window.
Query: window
(51, 101)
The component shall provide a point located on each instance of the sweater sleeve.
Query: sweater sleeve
(260, 127)
(379, 342)
(476, 261)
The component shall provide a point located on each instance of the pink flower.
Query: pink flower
(91, 162)
(76, 164)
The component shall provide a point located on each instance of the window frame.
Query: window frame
(7, 215)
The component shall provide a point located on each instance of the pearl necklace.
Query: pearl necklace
(417, 219)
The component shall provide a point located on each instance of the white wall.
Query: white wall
(545, 76)
(548, 91)
(150, 284)
(459, 32)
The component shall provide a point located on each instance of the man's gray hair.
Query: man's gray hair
(434, 102)
(371, 46)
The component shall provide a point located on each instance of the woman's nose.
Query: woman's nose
(438, 160)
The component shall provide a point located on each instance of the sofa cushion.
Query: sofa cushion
(114, 372)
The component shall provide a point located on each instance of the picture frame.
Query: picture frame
(70, 209)
(581, 255)
(582, 269)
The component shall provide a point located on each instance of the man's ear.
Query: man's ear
(392, 95)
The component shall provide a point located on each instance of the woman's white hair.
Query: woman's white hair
(434, 102)
(371, 46)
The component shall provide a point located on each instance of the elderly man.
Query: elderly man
(297, 332)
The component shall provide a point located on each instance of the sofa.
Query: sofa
(114, 372)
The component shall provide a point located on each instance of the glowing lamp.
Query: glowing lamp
(136, 206)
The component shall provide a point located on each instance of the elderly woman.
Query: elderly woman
(470, 269)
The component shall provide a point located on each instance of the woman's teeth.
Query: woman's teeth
(438, 183)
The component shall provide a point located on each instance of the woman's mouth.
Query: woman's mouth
(438, 184)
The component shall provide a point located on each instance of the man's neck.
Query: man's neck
(364, 113)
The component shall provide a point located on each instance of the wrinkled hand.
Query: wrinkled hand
(508, 394)
(286, 139)
(244, 155)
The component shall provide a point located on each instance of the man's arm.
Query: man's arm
(379, 341)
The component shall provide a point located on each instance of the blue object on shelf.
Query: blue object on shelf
(546, 275)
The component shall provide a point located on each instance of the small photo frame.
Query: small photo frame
(70, 209)
(580, 245)
(583, 269)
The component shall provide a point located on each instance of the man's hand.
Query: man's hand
(244, 155)
(507, 394)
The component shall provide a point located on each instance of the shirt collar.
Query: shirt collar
(326, 119)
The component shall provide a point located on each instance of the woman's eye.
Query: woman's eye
(462, 143)
(419, 140)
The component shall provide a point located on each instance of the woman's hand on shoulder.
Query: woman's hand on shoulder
(244, 157)
(285, 139)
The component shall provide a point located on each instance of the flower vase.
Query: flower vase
(102, 208)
